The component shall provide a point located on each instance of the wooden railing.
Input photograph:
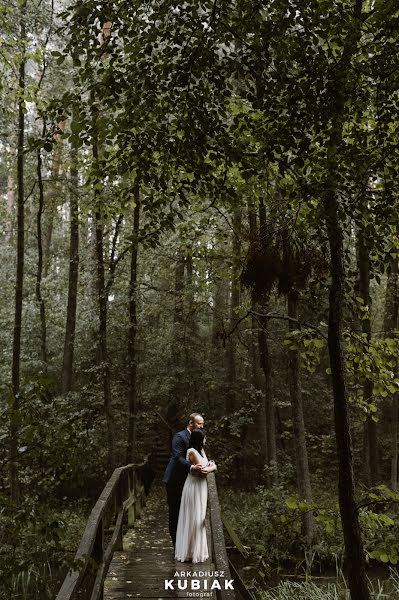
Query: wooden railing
(218, 553)
(125, 491)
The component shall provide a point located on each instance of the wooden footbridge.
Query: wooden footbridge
(126, 552)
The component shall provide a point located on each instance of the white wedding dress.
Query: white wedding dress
(191, 544)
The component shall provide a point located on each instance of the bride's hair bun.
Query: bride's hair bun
(197, 439)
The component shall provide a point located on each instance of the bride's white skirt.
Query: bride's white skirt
(191, 544)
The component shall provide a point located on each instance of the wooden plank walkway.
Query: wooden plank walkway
(147, 560)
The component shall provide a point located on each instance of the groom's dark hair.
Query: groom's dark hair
(197, 439)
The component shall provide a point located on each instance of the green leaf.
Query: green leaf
(292, 502)
(76, 127)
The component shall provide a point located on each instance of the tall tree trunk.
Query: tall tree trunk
(254, 349)
(370, 445)
(330, 198)
(16, 350)
(390, 324)
(191, 329)
(103, 341)
(268, 413)
(220, 300)
(217, 355)
(394, 443)
(262, 422)
(105, 370)
(39, 273)
(346, 484)
(189, 270)
(132, 346)
(70, 326)
(231, 396)
(177, 389)
(298, 421)
(51, 200)
(51, 209)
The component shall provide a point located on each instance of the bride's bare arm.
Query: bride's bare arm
(193, 458)
(196, 466)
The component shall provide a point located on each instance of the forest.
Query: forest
(198, 213)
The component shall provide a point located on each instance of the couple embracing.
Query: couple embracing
(187, 491)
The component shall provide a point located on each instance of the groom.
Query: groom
(177, 470)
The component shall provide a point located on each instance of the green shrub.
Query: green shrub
(38, 545)
(268, 521)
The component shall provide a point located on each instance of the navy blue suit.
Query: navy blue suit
(175, 476)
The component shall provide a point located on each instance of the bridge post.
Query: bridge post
(139, 493)
(131, 512)
(98, 553)
(220, 558)
(119, 499)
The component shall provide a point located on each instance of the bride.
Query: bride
(191, 544)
